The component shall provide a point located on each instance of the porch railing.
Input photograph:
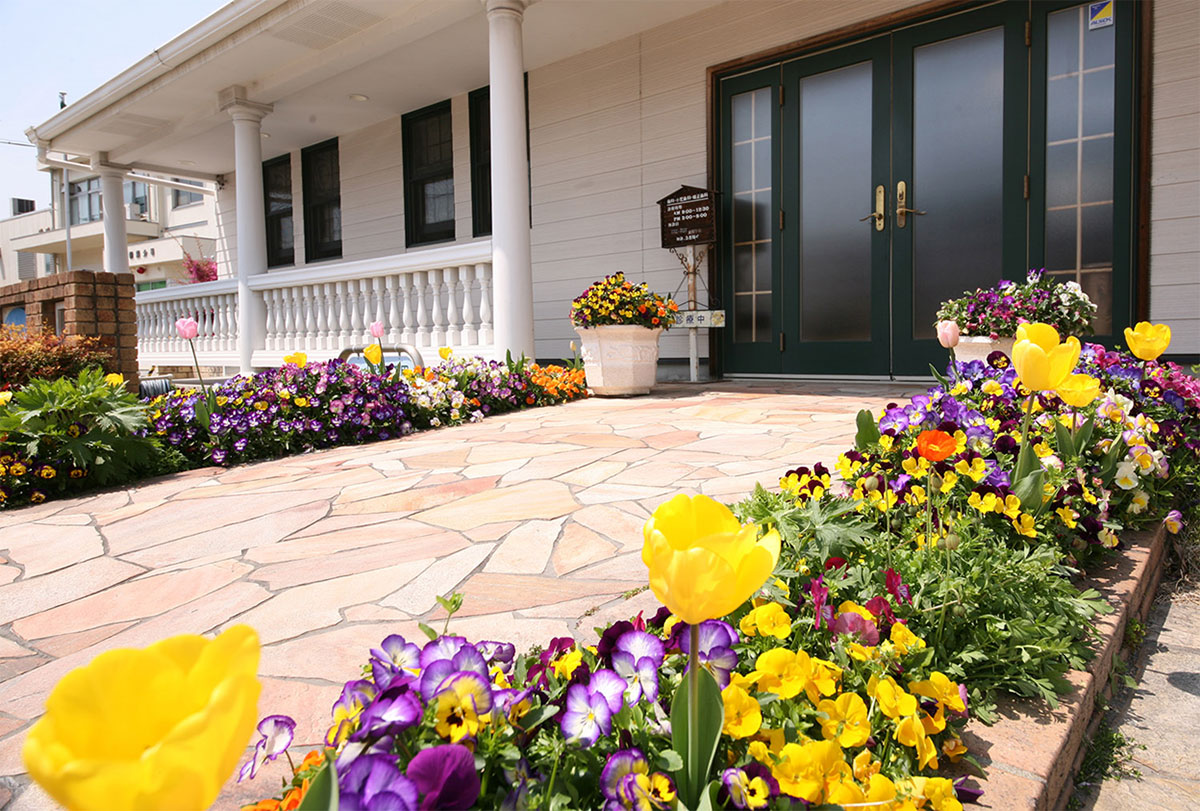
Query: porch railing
(429, 299)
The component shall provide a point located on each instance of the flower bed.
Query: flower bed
(899, 600)
(87, 433)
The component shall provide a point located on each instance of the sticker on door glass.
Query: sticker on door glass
(1100, 15)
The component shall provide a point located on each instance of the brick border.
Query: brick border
(1033, 752)
(95, 303)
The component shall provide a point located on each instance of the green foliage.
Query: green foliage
(695, 731)
(65, 435)
(323, 791)
(26, 355)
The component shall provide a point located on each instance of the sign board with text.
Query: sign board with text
(688, 217)
(701, 318)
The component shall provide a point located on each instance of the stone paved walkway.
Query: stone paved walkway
(536, 516)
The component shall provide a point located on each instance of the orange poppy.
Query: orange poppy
(935, 445)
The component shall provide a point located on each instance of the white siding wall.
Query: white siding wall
(1175, 173)
(617, 128)
(371, 162)
(226, 216)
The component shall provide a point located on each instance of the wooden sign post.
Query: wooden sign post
(688, 217)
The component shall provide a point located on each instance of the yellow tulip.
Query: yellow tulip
(703, 563)
(1041, 361)
(373, 354)
(5, 396)
(114, 379)
(298, 358)
(445, 352)
(158, 727)
(1079, 390)
(1147, 340)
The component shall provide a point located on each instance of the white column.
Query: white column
(112, 194)
(251, 225)
(512, 271)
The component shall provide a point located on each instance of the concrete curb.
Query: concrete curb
(1033, 752)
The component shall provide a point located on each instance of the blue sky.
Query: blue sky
(74, 46)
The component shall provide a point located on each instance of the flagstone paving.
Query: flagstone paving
(536, 516)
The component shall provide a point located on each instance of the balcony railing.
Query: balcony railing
(433, 298)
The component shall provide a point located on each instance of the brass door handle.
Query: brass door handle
(902, 209)
(878, 214)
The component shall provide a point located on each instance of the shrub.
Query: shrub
(65, 435)
(26, 355)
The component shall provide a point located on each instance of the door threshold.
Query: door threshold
(882, 379)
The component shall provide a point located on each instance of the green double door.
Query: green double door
(865, 184)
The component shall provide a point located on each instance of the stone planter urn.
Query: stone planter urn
(972, 347)
(619, 359)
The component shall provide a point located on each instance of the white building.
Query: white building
(461, 169)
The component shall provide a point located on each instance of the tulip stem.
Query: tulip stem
(196, 362)
(693, 699)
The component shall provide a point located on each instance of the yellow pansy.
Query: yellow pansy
(1024, 525)
(114, 379)
(904, 639)
(445, 352)
(743, 715)
(703, 563)
(806, 770)
(911, 732)
(1068, 516)
(566, 664)
(940, 688)
(158, 727)
(768, 620)
(954, 749)
(892, 699)
(5, 396)
(845, 720)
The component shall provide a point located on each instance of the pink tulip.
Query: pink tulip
(948, 334)
(187, 328)
(376, 329)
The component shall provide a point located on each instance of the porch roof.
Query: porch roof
(307, 58)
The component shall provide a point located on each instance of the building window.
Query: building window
(159, 284)
(181, 198)
(479, 102)
(277, 198)
(85, 201)
(428, 175)
(137, 199)
(322, 201)
(21, 206)
(26, 265)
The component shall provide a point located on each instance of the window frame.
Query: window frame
(276, 255)
(416, 231)
(79, 191)
(315, 200)
(183, 199)
(479, 113)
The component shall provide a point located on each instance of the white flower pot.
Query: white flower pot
(972, 347)
(619, 359)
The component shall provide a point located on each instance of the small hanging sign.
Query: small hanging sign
(688, 217)
(1100, 15)
(698, 319)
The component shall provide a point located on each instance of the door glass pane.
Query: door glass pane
(835, 191)
(752, 216)
(1079, 216)
(958, 151)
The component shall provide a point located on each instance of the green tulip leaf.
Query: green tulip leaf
(323, 790)
(868, 431)
(696, 746)
(1066, 445)
(1108, 467)
(1029, 490)
(1084, 434)
(939, 377)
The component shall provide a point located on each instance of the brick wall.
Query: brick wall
(94, 304)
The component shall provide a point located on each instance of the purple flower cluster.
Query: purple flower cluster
(996, 312)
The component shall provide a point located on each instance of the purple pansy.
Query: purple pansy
(374, 783)
(587, 717)
(716, 649)
(394, 710)
(446, 777)
(276, 733)
(636, 657)
(619, 764)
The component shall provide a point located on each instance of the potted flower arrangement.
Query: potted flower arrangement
(987, 320)
(619, 323)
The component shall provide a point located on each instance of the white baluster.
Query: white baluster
(209, 308)
(271, 301)
(470, 328)
(310, 317)
(393, 317)
(231, 309)
(321, 311)
(483, 272)
(220, 328)
(354, 301)
(288, 318)
(407, 334)
(330, 307)
(424, 337)
(453, 324)
(343, 319)
(438, 314)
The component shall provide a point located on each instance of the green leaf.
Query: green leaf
(1108, 467)
(323, 790)
(1029, 490)
(868, 431)
(536, 716)
(429, 632)
(696, 746)
(1084, 435)
(939, 377)
(1062, 436)
(669, 761)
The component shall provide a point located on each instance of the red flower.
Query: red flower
(935, 445)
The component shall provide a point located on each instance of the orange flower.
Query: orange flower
(291, 800)
(263, 805)
(312, 760)
(935, 445)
